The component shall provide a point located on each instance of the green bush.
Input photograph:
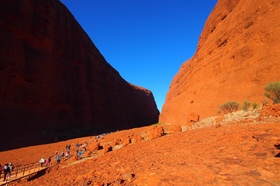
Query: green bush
(255, 106)
(229, 107)
(246, 106)
(273, 91)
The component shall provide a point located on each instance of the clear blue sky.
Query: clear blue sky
(146, 41)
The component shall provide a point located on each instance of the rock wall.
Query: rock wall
(54, 81)
(237, 55)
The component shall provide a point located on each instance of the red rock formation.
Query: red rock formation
(174, 129)
(53, 78)
(155, 132)
(270, 111)
(237, 55)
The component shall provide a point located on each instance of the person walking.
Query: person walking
(0, 170)
(42, 161)
(11, 167)
(47, 162)
(6, 171)
(58, 159)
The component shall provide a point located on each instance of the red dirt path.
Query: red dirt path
(232, 154)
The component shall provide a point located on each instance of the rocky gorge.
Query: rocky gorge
(55, 84)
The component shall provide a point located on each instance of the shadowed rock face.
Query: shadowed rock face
(54, 80)
(237, 55)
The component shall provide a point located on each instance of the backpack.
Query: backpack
(6, 168)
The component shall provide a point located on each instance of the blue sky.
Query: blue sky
(146, 41)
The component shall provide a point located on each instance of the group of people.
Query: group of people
(43, 160)
(57, 157)
(7, 170)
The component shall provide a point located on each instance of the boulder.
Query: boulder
(174, 129)
(193, 117)
(136, 138)
(154, 132)
(106, 148)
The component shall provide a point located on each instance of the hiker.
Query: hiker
(11, 167)
(6, 171)
(77, 145)
(47, 162)
(62, 153)
(0, 170)
(67, 154)
(58, 158)
(84, 150)
(79, 154)
(42, 161)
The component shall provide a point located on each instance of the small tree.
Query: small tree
(229, 107)
(246, 105)
(255, 106)
(273, 91)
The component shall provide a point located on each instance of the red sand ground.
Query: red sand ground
(236, 153)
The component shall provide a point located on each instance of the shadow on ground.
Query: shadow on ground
(37, 175)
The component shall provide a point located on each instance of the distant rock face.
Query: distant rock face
(237, 55)
(54, 80)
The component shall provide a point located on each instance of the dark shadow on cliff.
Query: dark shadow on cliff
(48, 136)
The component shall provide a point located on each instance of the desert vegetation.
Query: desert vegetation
(246, 105)
(229, 107)
(272, 91)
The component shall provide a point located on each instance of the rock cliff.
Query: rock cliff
(237, 55)
(55, 83)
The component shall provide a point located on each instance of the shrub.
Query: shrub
(229, 107)
(246, 105)
(273, 91)
(255, 106)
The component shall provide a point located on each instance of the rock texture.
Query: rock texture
(54, 80)
(237, 55)
(232, 154)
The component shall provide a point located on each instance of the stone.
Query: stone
(219, 119)
(193, 117)
(94, 146)
(128, 177)
(154, 132)
(136, 138)
(117, 141)
(126, 141)
(106, 148)
(174, 129)
(270, 110)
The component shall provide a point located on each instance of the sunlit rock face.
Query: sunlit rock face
(55, 83)
(237, 55)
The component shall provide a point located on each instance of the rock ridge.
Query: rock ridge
(55, 82)
(237, 55)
